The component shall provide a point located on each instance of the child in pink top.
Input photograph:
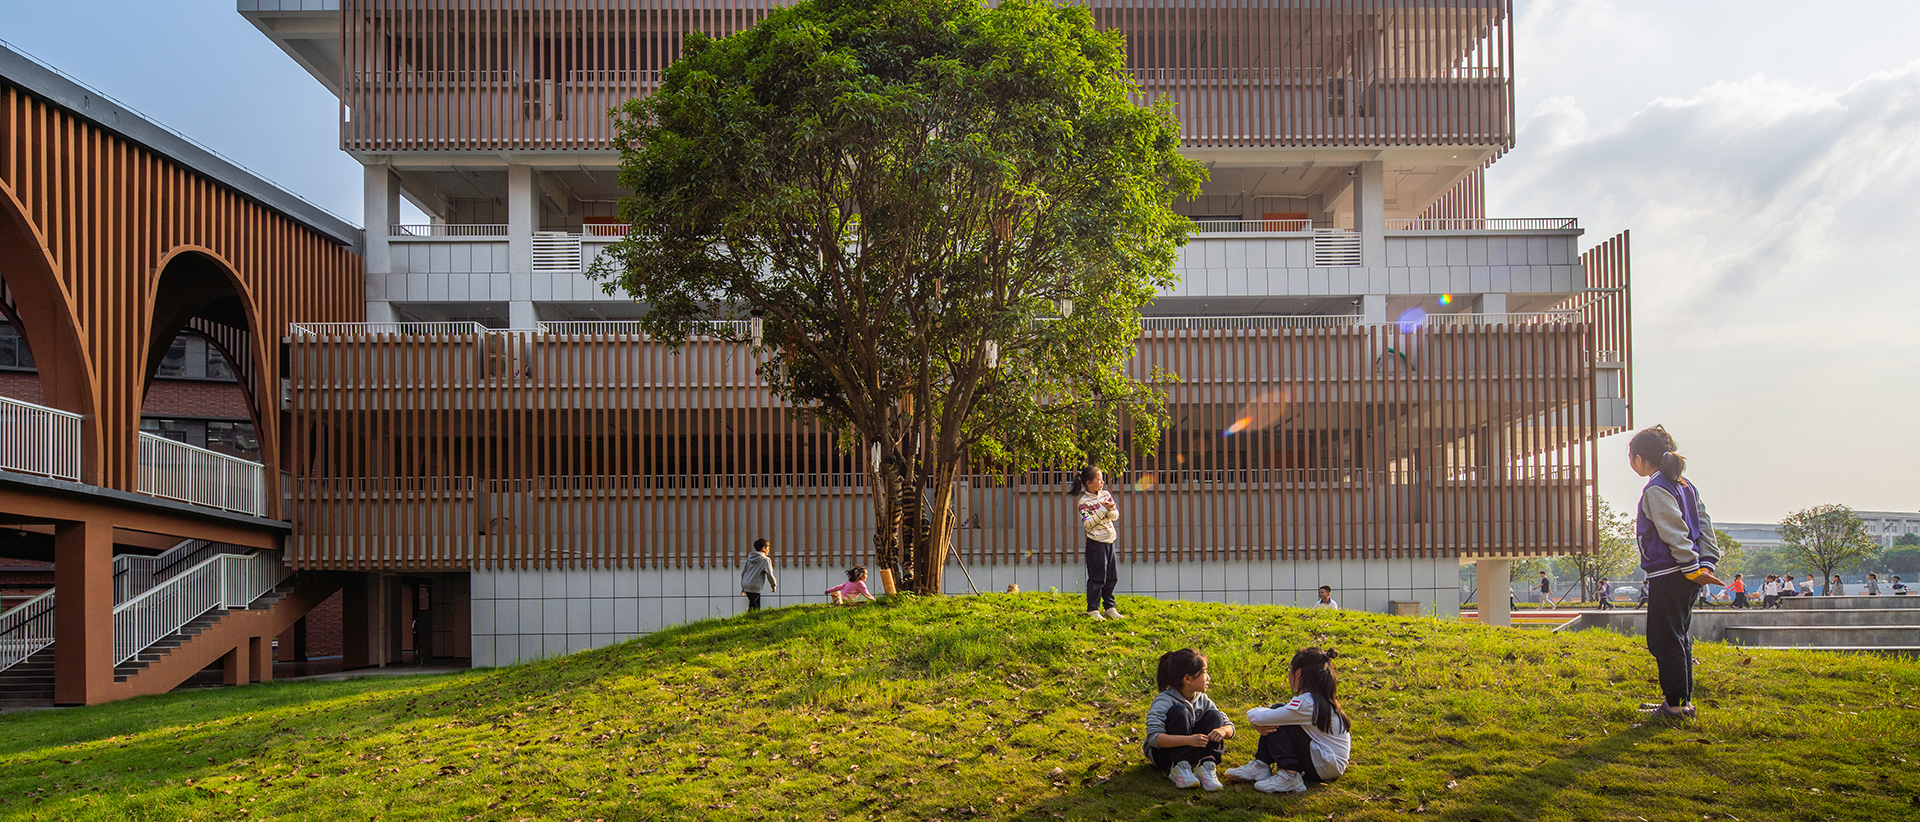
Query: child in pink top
(850, 591)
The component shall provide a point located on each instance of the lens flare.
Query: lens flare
(1263, 412)
(1146, 482)
(1412, 319)
(1446, 299)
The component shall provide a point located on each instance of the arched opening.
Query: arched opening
(44, 362)
(202, 375)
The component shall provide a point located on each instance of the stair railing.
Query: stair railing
(25, 629)
(134, 574)
(225, 581)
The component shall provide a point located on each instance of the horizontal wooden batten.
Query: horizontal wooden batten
(426, 75)
(523, 450)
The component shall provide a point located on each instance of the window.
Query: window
(233, 438)
(13, 348)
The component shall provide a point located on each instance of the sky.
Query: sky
(1763, 153)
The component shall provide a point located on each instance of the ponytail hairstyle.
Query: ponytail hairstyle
(855, 573)
(1657, 447)
(1317, 678)
(1087, 474)
(1176, 666)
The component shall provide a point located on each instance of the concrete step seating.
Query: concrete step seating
(1853, 624)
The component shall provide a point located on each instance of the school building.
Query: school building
(468, 447)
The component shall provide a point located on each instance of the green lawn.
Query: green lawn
(993, 707)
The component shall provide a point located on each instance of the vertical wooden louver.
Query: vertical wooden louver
(106, 216)
(428, 75)
(520, 449)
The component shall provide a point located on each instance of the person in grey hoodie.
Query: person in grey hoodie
(757, 574)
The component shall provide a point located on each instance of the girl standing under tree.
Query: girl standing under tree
(1677, 553)
(1097, 517)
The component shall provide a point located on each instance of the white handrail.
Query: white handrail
(339, 329)
(189, 473)
(136, 573)
(25, 629)
(1260, 321)
(226, 581)
(448, 230)
(35, 439)
(1483, 224)
(1261, 226)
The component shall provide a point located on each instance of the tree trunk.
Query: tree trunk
(887, 519)
(939, 535)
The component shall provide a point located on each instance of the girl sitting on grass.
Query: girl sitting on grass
(1306, 740)
(850, 592)
(1186, 733)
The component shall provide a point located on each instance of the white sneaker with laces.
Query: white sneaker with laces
(1209, 777)
(1113, 613)
(1182, 775)
(1095, 616)
(1253, 771)
(1281, 782)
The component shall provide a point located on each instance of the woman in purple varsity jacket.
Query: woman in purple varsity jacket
(1677, 553)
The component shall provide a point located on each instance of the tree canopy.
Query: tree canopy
(907, 194)
(1827, 538)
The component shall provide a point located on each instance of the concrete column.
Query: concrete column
(1493, 304)
(367, 634)
(82, 613)
(1373, 308)
(1370, 212)
(380, 207)
(1492, 580)
(260, 651)
(380, 311)
(523, 212)
(520, 314)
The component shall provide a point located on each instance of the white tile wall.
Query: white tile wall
(524, 615)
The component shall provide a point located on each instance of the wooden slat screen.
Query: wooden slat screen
(519, 449)
(110, 213)
(1608, 306)
(1467, 199)
(541, 74)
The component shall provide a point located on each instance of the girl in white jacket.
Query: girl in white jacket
(1093, 504)
(1305, 740)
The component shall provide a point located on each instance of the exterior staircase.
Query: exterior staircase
(1887, 625)
(29, 683)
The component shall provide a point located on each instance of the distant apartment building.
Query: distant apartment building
(469, 441)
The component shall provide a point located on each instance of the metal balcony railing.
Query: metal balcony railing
(226, 581)
(448, 230)
(188, 473)
(1485, 224)
(1245, 226)
(35, 439)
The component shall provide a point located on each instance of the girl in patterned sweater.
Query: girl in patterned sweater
(1098, 515)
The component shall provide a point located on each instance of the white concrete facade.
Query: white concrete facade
(520, 616)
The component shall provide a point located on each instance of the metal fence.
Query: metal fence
(188, 473)
(35, 439)
(26, 629)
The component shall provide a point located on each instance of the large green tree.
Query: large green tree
(907, 194)
(1616, 554)
(1827, 538)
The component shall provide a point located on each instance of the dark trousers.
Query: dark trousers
(1288, 748)
(753, 600)
(1102, 575)
(1606, 602)
(1669, 617)
(1740, 600)
(1180, 722)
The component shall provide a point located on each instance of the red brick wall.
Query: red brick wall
(323, 628)
(196, 398)
(21, 385)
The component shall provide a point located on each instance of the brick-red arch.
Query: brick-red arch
(110, 213)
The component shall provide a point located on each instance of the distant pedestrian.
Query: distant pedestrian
(1739, 588)
(1546, 590)
(757, 574)
(1873, 585)
(1770, 592)
(1836, 588)
(1326, 598)
(1807, 587)
(1898, 588)
(1098, 515)
(1605, 592)
(1787, 588)
(1678, 555)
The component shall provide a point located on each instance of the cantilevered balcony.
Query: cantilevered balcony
(46, 442)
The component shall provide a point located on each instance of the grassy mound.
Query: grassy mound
(992, 707)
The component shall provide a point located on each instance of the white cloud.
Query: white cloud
(1776, 276)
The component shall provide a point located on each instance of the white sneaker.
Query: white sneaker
(1281, 782)
(1182, 775)
(1095, 616)
(1253, 771)
(1113, 613)
(1209, 778)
